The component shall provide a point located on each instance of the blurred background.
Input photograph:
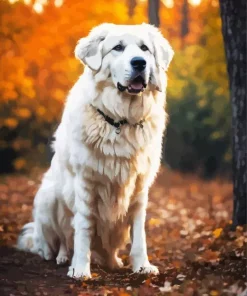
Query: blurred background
(37, 69)
(191, 232)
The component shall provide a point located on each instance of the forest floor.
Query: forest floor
(189, 238)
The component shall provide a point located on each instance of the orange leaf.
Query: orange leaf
(19, 163)
(148, 282)
(154, 222)
(23, 113)
(94, 274)
(209, 255)
(217, 232)
(11, 122)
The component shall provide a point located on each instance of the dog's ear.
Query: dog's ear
(163, 51)
(89, 49)
(163, 54)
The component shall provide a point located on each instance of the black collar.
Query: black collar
(118, 124)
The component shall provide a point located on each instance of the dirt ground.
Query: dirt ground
(188, 234)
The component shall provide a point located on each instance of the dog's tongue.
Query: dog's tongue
(136, 85)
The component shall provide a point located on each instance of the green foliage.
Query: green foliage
(198, 136)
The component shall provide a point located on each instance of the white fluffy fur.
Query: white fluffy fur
(96, 190)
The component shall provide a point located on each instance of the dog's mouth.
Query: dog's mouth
(136, 86)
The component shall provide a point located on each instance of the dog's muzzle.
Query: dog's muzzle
(136, 85)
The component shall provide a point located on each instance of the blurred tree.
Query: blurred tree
(17, 23)
(233, 15)
(198, 105)
(38, 68)
(153, 12)
(185, 20)
(131, 7)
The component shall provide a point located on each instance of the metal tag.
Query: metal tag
(118, 130)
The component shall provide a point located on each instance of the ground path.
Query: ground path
(188, 235)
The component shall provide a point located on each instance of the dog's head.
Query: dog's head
(133, 57)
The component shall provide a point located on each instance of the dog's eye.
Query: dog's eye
(118, 47)
(144, 47)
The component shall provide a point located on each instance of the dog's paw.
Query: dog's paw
(119, 262)
(147, 268)
(79, 272)
(44, 253)
(48, 255)
(62, 259)
(115, 263)
(96, 258)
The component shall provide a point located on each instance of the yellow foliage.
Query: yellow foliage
(40, 111)
(154, 222)
(217, 232)
(215, 135)
(37, 54)
(59, 94)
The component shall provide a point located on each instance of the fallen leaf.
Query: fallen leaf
(217, 232)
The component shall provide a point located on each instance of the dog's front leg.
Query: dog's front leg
(80, 266)
(138, 253)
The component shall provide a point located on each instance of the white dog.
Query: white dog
(107, 153)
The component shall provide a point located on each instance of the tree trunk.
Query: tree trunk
(233, 14)
(131, 4)
(185, 20)
(153, 12)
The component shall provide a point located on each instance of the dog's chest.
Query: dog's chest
(114, 163)
(112, 168)
(117, 156)
(112, 179)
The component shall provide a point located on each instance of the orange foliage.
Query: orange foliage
(37, 54)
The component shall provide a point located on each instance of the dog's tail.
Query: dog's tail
(25, 240)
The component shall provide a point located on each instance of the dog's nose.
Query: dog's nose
(138, 63)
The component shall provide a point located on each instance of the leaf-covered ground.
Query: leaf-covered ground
(188, 234)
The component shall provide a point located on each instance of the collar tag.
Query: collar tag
(118, 130)
(118, 124)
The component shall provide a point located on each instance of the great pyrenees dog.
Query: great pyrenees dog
(107, 153)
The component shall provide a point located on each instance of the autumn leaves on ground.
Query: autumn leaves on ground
(188, 234)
